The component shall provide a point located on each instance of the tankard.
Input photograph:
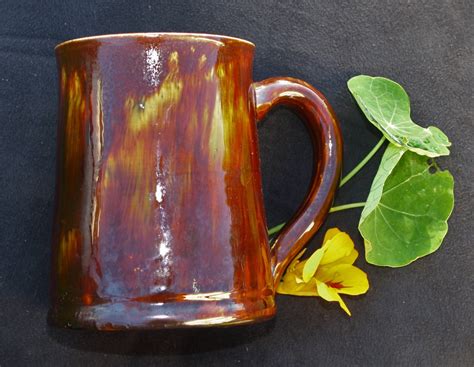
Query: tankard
(159, 218)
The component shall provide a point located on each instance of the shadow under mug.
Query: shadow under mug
(159, 217)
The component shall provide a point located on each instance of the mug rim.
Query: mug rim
(209, 36)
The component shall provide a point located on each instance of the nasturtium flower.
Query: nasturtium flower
(328, 272)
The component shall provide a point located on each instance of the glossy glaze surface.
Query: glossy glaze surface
(322, 124)
(159, 213)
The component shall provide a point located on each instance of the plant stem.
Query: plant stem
(362, 162)
(275, 229)
(346, 206)
(338, 208)
(344, 180)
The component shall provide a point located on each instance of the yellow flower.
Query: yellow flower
(328, 272)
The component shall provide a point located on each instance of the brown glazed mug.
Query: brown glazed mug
(159, 209)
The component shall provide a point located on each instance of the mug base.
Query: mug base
(135, 315)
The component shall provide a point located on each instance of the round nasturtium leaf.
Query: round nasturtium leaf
(387, 106)
(407, 209)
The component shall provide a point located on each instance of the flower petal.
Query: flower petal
(298, 269)
(312, 264)
(331, 295)
(295, 261)
(330, 233)
(339, 246)
(289, 285)
(344, 278)
(349, 260)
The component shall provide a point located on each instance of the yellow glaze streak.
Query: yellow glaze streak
(143, 112)
(68, 249)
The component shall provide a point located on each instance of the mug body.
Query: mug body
(159, 210)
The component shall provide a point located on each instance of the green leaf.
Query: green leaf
(387, 106)
(407, 209)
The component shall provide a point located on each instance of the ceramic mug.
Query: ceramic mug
(159, 210)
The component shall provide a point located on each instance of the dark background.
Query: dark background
(418, 315)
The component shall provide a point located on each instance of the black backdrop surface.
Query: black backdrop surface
(419, 315)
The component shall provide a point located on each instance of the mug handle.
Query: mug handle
(321, 121)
